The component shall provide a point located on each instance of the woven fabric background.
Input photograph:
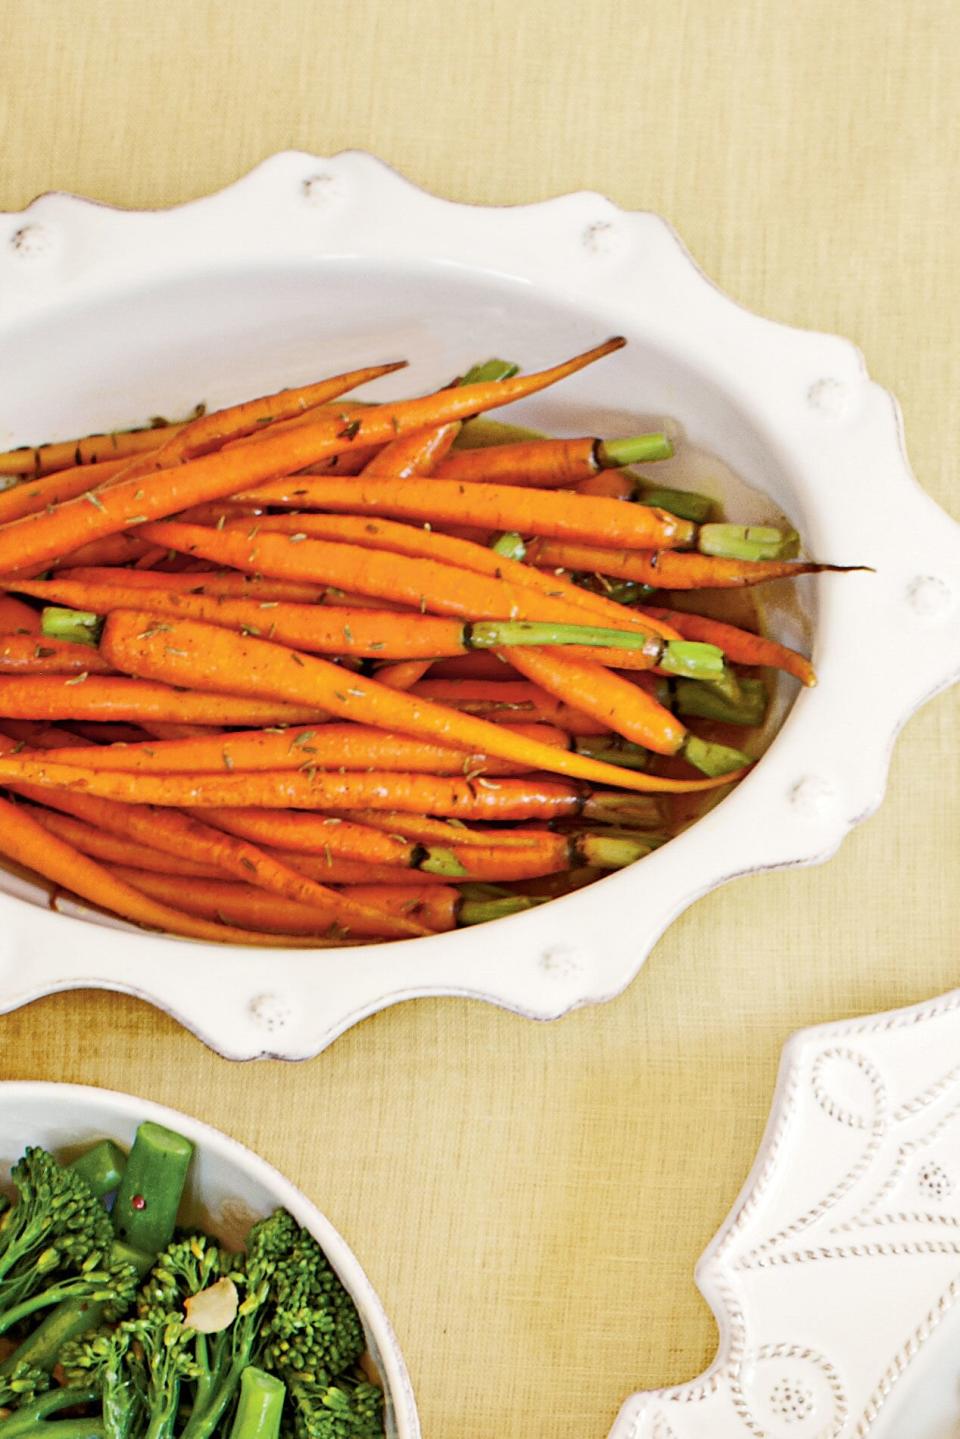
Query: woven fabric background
(530, 1200)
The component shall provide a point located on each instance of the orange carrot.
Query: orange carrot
(91, 450)
(29, 844)
(34, 654)
(609, 485)
(442, 832)
(568, 517)
(415, 543)
(255, 909)
(404, 675)
(425, 584)
(507, 701)
(111, 697)
(469, 798)
(32, 495)
(667, 570)
(549, 463)
(185, 836)
(193, 654)
(224, 583)
(39, 538)
(477, 666)
(330, 746)
(16, 618)
(416, 454)
(348, 871)
(328, 837)
(623, 707)
(741, 646)
(112, 550)
(111, 849)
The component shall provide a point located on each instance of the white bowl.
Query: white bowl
(228, 1189)
(834, 1281)
(308, 265)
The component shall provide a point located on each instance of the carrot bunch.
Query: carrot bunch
(312, 672)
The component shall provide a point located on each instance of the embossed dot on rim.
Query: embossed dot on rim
(930, 597)
(270, 1011)
(829, 397)
(934, 1181)
(323, 189)
(791, 1401)
(34, 242)
(813, 797)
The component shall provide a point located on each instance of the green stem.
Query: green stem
(613, 751)
(628, 811)
(747, 542)
(635, 450)
(497, 634)
(479, 911)
(259, 1407)
(102, 1167)
(510, 545)
(706, 702)
(713, 759)
(693, 660)
(613, 851)
(145, 1209)
(488, 371)
(443, 861)
(685, 504)
(80, 627)
(30, 1417)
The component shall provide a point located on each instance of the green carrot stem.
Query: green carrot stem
(748, 542)
(259, 1406)
(705, 702)
(613, 851)
(145, 1209)
(630, 756)
(480, 911)
(712, 759)
(79, 626)
(693, 660)
(102, 1167)
(640, 811)
(635, 450)
(496, 634)
(685, 504)
(442, 861)
(510, 545)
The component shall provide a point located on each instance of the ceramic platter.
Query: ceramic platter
(312, 265)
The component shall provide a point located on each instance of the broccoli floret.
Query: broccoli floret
(22, 1385)
(347, 1409)
(55, 1244)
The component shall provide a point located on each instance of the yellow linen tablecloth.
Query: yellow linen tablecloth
(530, 1200)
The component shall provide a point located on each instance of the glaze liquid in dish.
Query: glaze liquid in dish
(318, 672)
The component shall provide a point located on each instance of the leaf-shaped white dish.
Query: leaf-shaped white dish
(835, 1279)
(308, 265)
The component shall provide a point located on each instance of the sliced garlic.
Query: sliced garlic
(212, 1309)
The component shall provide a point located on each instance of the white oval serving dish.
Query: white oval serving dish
(308, 265)
(836, 1277)
(228, 1189)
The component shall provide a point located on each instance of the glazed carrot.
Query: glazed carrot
(224, 582)
(243, 904)
(193, 654)
(741, 646)
(16, 618)
(351, 871)
(476, 666)
(566, 517)
(609, 485)
(551, 463)
(112, 550)
(669, 571)
(465, 554)
(366, 633)
(507, 701)
(187, 837)
(39, 538)
(91, 450)
(424, 584)
(364, 837)
(32, 495)
(330, 746)
(111, 849)
(480, 798)
(404, 675)
(36, 655)
(416, 454)
(29, 844)
(556, 854)
(112, 697)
